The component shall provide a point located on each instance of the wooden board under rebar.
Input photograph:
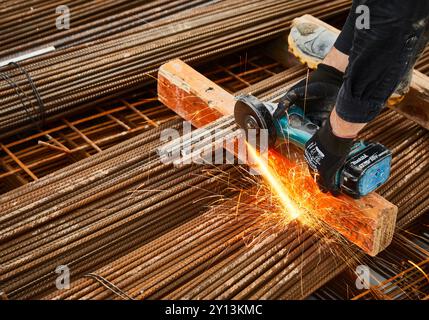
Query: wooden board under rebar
(414, 106)
(200, 101)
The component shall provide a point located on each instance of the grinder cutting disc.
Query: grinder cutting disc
(250, 113)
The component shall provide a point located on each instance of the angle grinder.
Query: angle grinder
(366, 168)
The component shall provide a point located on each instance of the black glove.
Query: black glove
(325, 154)
(319, 93)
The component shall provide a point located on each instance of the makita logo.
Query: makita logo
(361, 158)
(368, 162)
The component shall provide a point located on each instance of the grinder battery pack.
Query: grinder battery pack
(366, 168)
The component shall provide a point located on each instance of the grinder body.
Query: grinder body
(366, 168)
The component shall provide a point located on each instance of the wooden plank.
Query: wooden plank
(414, 106)
(200, 101)
(191, 95)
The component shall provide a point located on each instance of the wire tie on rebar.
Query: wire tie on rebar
(20, 93)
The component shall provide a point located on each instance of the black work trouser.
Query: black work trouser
(381, 56)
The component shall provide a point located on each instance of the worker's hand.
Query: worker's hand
(325, 154)
(316, 96)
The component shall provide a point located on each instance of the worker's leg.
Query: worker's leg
(338, 56)
(345, 39)
(404, 86)
(381, 56)
(317, 93)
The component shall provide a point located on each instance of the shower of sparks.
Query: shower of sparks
(289, 193)
(299, 198)
(288, 201)
(275, 182)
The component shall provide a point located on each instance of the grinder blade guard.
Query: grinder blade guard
(252, 114)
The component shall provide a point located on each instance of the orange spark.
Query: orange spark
(321, 211)
(276, 183)
(420, 269)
